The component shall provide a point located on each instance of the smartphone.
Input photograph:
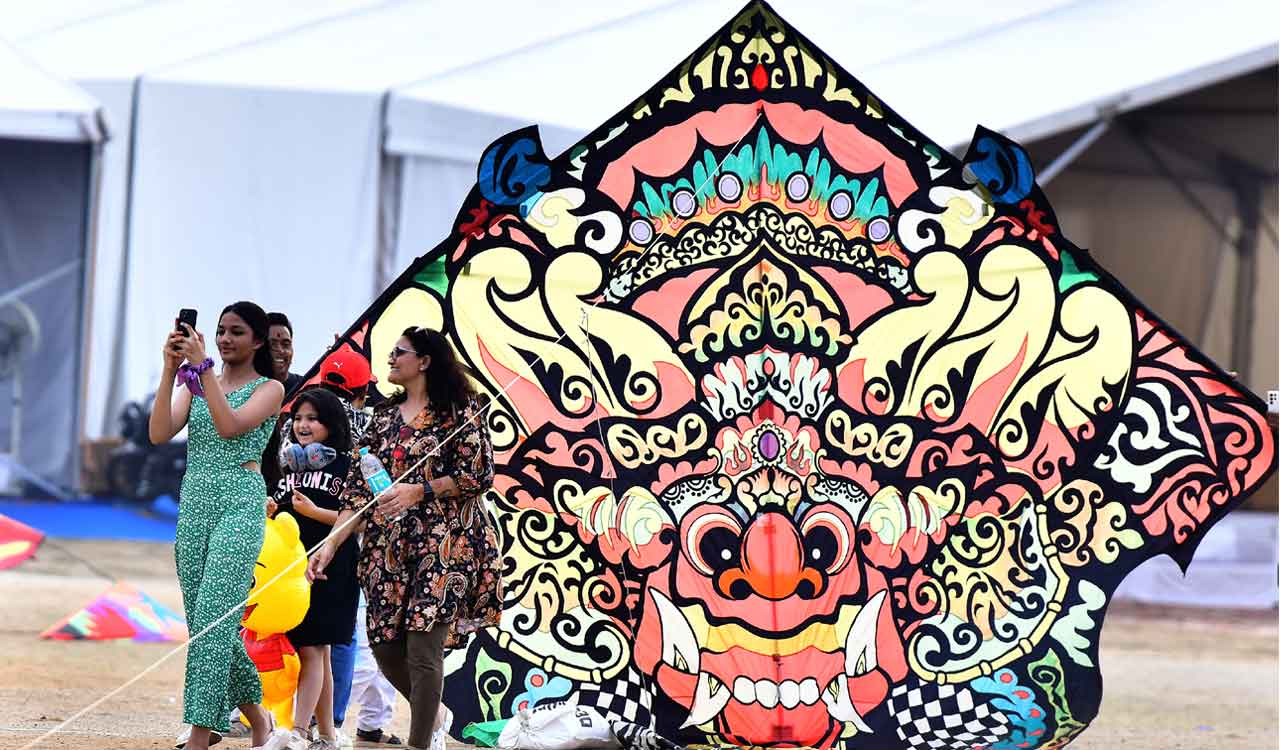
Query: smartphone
(185, 315)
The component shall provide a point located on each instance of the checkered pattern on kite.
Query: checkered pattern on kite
(627, 697)
(944, 716)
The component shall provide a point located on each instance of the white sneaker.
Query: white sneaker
(342, 740)
(438, 736)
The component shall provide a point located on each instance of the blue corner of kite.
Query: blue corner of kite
(1002, 166)
(514, 168)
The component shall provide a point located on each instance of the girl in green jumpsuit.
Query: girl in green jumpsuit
(223, 509)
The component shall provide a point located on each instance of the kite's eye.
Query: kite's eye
(827, 540)
(713, 543)
(718, 548)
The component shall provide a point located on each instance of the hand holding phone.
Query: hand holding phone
(185, 315)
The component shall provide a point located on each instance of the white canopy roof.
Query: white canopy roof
(126, 40)
(1027, 69)
(37, 105)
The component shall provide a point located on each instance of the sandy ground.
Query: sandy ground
(1175, 678)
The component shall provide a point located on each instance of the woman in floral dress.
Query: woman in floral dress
(429, 562)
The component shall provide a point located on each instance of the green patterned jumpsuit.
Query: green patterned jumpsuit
(220, 527)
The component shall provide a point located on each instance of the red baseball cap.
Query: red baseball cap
(346, 369)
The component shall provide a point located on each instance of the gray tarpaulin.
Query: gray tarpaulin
(43, 195)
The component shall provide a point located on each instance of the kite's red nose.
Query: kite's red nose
(772, 562)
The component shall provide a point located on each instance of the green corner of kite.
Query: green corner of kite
(1072, 275)
(433, 276)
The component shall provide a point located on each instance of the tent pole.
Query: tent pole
(1248, 196)
(1074, 151)
(390, 183)
(94, 187)
(115, 396)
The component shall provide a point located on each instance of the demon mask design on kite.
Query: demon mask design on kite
(810, 434)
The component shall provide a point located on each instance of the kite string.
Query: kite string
(240, 607)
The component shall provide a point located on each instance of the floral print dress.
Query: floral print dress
(440, 562)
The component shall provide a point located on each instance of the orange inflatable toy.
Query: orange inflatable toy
(274, 611)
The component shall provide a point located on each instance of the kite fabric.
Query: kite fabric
(121, 611)
(808, 432)
(18, 542)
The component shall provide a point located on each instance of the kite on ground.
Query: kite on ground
(808, 432)
(18, 542)
(121, 611)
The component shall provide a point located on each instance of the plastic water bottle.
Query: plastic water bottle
(375, 475)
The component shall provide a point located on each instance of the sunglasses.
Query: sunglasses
(399, 351)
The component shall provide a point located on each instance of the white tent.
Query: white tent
(301, 153)
(50, 133)
(107, 46)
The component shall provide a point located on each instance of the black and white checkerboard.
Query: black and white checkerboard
(944, 716)
(627, 697)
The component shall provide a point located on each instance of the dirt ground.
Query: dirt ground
(1175, 678)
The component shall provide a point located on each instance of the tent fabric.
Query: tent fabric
(18, 542)
(36, 105)
(44, 203)
(49, 132)
(106, 48)
(295, 213)
(806, 430)
(122, 611)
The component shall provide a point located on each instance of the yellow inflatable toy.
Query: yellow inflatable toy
(275, 611)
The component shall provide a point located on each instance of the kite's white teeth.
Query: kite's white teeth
(679, 647)
(709, 699)
(770, 694)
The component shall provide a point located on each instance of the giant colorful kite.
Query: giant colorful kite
(809, 433)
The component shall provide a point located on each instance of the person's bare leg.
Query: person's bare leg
(259, 723)
(199, 739)
(324, 707)
(310, 683)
